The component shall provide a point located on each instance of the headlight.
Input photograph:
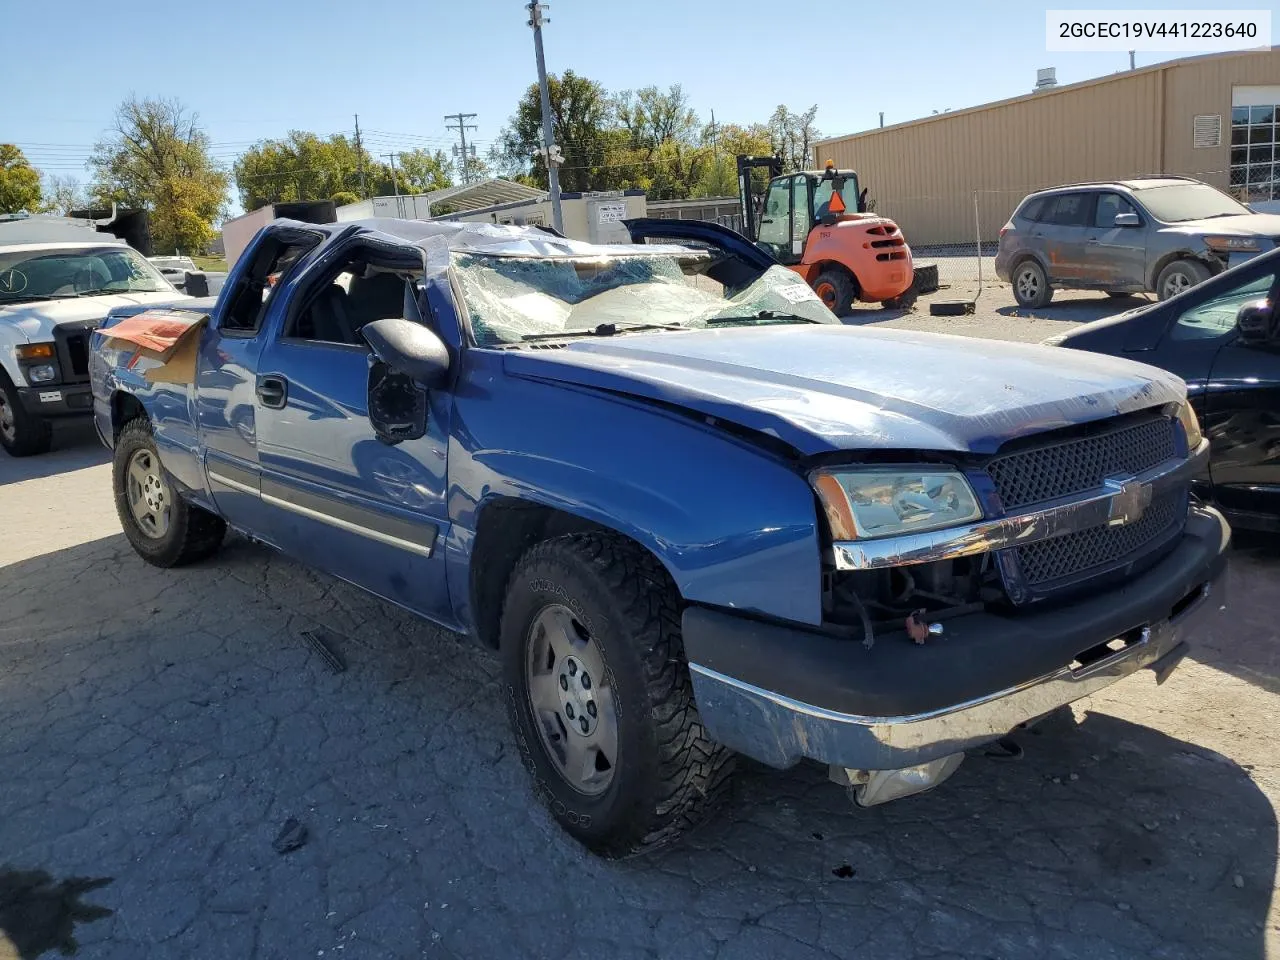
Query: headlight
(1231, 244)
(1191, 424)
(880, 503)
(43, 373)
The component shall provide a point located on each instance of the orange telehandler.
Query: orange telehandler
(805, 222)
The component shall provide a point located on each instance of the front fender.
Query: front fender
(734, 526)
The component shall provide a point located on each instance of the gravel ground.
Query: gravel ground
(157, 729)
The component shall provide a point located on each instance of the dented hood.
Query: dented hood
(829, 388)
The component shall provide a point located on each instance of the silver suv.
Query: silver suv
(1157, 234)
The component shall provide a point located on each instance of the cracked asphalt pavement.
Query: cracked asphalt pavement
(159, 727)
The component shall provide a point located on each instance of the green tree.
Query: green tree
(582, 121)
(720, 176)
(792, 136)
(157, 158)
(421, 171)
(19, 182)
(304, 166)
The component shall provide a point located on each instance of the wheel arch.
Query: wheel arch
(506, 527)
(818, 266)
(1183, 254)
(124, 407)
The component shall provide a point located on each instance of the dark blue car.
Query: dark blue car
(695, 514)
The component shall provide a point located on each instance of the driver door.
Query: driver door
(369, 512)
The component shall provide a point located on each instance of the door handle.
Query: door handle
(273, 392)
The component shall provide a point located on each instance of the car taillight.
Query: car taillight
(1004, 230)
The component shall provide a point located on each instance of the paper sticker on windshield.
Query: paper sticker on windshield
(797, 292)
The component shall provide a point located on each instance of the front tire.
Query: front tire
(600, 698)
(162, 528)
(835, 288)
(21, 433)
(1179, 276)
(1031, 285)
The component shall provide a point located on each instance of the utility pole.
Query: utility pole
(882, 118)
(360, 159)
(550, 151)
(462, 127)
(395, 186)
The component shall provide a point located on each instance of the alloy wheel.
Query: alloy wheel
(571, 694)
(150, 501)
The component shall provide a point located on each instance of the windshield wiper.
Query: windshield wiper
(603, 330)
(22, 298)
(763, 315)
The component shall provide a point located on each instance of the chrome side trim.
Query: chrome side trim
(232, 484)
(424, 550)
(1111, 503)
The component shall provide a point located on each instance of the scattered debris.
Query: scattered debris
(1238, 881)
(291, 837)
(1122, 907)
(1057, 780)
(751, 869)
(816, 835)
(319, 640)
(917, 629)
(1075, 776)
(1151, 826)
(844, 871)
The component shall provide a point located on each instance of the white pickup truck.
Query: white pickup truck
(58, 279)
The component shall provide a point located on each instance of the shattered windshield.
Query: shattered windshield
(514, 299)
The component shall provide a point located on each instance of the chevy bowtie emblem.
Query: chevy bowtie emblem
(1129, 501)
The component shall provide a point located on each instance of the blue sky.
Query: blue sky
(254, 69)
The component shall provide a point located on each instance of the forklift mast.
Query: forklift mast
(745, 165)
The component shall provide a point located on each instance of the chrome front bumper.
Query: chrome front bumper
(780, 731)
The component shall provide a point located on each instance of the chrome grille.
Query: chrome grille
(1099, 549)
(1081, 464)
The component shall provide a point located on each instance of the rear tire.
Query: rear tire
(1031, 285)
(21, 434)
(1179, 276)
(162, 528)
(835, 288)
(620, 756)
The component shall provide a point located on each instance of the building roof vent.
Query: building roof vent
(1048, 77)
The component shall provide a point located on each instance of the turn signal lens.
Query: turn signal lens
(1191, 424)
(34, 351)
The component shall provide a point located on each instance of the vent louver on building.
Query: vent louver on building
(1206, 131)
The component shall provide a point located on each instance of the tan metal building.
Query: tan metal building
(951, 176)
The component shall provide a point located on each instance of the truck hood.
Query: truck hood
(1244, 225)
(37, 320)
(822, 389)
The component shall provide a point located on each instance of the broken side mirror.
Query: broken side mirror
(1255, 322)
(409, 360)
(1128, 220)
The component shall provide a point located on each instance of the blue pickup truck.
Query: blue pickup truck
(694, 514)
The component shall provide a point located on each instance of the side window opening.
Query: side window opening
(357, 294)
(273, 262)
(1070, 210)
(1110, 206)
